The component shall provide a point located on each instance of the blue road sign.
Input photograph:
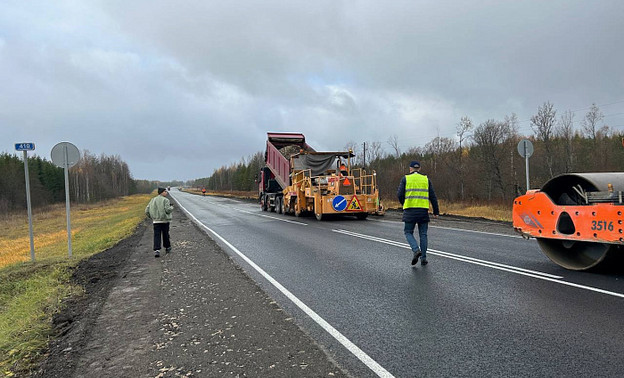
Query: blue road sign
(339, 203)
(24, 146)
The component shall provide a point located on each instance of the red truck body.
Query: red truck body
(278, 166)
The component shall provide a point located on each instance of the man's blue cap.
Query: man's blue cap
(414, 164)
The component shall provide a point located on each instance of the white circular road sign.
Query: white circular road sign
(65, 154)
(525, 148)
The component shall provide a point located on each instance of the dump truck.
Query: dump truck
(312, 182)
(576, 219)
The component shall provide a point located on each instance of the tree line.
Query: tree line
(92, 179)
(480, 163)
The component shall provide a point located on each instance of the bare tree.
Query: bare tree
(590, 122)
(355, 148)
(565, 131)
(513, 123)
(489, 139)
(375, 151)
(543, 124)
(463, 129)
(514, 137)
(393, 141)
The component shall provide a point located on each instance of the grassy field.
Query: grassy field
(30, 293)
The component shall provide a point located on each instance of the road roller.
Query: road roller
(576, 219)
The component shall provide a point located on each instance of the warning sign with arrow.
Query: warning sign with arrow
(354, 205)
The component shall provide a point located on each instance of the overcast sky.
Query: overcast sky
(180, 88)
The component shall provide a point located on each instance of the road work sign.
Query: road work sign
(354, 205)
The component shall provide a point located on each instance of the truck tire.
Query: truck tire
(279, 205)
(264, 204)
(361, 216)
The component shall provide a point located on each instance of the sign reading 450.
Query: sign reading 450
(24, 146)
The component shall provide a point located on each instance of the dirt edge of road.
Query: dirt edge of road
(92, 336)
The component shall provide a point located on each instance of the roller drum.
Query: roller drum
(573, 254)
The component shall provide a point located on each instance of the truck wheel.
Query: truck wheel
(361, 216)
(279, 205)
(264, 204)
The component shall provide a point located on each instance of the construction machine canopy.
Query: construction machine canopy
(319, 162)
(281, 140)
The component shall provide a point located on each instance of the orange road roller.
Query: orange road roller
(577, 219)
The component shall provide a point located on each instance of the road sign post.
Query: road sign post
(25, 147)
(525, 149)
(66, 155)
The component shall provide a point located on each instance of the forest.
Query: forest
(92, 179)
(480, 164)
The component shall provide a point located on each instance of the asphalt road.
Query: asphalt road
(488, 304)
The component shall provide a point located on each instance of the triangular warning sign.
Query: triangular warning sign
(354, 205)
(346, 181)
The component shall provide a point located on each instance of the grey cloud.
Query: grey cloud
(202, 82)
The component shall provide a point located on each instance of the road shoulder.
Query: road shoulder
(192, 312)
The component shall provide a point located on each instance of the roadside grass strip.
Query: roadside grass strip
(31, 293)
(489, 264)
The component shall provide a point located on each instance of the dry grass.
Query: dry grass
(101, 224)
(30, 293)
(476, 210)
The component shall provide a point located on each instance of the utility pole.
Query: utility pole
(364, 165)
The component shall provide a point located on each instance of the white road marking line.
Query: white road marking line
(268, 216)
(447, 254)
(456, 229)
(477, 232)
(260, 215)
(507, 268)
(351, 347)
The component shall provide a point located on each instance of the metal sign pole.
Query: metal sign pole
(525, 149)
(28, 205)
(66, 155)
(526, 163)
(69, 238)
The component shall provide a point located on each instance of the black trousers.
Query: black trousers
(161, 230)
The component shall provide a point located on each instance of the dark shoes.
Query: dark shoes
(168, 249)
(416, 257)
(156, 253)
(424, 262)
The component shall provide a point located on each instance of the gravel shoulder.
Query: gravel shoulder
(193, 312)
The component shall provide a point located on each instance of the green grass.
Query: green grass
(31, 293)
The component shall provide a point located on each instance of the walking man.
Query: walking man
(159, 209)
(415, 193)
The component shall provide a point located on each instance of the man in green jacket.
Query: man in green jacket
(159, 209)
